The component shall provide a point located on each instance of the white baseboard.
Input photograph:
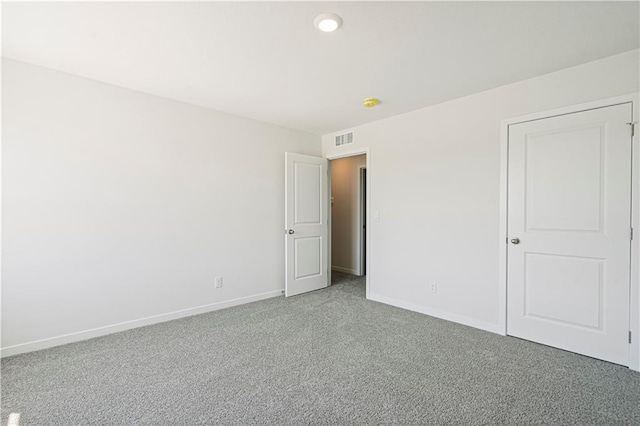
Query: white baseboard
(345, 270)
(471, 322)
(127, 325)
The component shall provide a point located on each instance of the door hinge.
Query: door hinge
(633, 127)
(629, 336)
(632, 233)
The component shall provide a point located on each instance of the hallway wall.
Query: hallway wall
(345, 213)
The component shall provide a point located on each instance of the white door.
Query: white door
(569, 232)
(306, 227)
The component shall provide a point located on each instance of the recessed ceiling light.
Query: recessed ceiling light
(328, 22)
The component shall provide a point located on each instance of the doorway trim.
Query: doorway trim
(362, 220)
(634, 294)
(352, 153)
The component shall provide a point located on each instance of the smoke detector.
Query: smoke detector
(370, 102)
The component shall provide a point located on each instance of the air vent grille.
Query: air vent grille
(344, 139)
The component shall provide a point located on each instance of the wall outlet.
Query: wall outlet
(434, 287)
(218, 282)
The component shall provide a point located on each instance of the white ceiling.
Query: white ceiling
(267, 61)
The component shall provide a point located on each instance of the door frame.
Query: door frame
(352, 153)
(362, 221)
(634, 294)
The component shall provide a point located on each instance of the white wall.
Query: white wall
(435, 181)
(345, 212)
(118, 206)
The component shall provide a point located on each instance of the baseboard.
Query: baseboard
(345, 270)
(460, 319)
(127, 325)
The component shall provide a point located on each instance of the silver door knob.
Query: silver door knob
(291, 231)
(515, 241)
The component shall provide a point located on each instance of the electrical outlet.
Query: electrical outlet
(218, 282)
(434, 287)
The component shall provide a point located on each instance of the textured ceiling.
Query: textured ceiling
(267, 61)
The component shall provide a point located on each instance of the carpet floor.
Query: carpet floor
(330, 357)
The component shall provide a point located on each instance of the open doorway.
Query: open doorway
(348, 221)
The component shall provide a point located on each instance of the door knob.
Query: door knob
(291, 231)
(515, 241)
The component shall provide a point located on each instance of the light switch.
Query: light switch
(376, 214)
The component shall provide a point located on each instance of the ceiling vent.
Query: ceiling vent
(344, 139)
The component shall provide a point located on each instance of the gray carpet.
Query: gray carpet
(328, 358)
